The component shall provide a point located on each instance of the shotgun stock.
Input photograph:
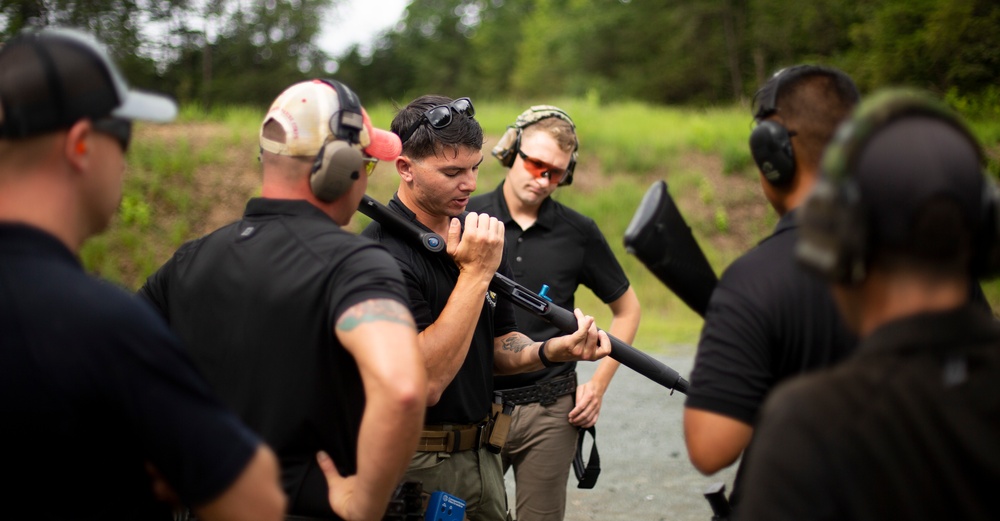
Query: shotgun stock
(522, 297)
(660, 238)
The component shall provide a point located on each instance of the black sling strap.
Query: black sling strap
(586, 475)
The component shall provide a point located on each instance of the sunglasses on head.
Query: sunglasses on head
(120, 129)
(440, 116)
(541, 169)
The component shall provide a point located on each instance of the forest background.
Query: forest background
(658, 89)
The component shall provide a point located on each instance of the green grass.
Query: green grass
(625, 147)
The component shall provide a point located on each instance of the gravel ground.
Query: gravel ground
(645, 472)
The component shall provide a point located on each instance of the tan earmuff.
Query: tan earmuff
(337, 166)
(505, 149)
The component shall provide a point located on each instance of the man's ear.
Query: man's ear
(404, 166)
(76, 149)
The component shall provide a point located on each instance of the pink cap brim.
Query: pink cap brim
(385, 145)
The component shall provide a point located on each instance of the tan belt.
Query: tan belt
(453, 438)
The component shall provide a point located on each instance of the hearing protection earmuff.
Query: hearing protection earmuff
(836, 235)
(339, 161)
(770, 141)
(510, 143)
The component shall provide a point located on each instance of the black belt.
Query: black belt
(544, 392)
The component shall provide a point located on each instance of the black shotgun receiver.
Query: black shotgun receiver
(522, 297)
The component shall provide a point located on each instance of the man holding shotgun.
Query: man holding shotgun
(466, 333)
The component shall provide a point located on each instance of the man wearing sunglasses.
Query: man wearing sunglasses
(467, 333)
(299, 324)
(94, 384)
(551, 245)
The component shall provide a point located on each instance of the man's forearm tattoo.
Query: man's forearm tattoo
(379, 310)
(515, 343)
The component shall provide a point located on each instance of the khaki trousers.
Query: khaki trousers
(540, 448)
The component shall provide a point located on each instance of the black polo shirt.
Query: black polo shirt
(256, 302)
(562, 249)
(907, 428)
(430, 278)
(94, 384)
(768, 319)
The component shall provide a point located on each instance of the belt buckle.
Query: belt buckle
(546, 396)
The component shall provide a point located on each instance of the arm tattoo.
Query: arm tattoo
(515, 343)
(376, 310)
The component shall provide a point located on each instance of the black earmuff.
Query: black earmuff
(771, 148)
(339, 162)
(770, 141)
(510, 143)
(835, 232)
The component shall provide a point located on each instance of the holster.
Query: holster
(408, 503)
(500, 418)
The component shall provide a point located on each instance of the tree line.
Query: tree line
(693, 52)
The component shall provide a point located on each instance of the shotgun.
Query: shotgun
(521, 296)
(660, 238)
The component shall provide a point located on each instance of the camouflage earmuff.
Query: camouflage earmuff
(506, 149)
(835, 229)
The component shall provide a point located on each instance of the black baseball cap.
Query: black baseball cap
(913, 160)
(53, 77)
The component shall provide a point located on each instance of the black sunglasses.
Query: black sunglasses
(120, 129)
(440, 116)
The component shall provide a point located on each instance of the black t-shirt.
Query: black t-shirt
(907, 428)
(430, 278)
(256, 302)
(94, 385)
(562, 249)
(768, 319)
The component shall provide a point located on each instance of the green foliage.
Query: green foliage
(134, 212)
(721, 220)
(931, 44)
(696, 52)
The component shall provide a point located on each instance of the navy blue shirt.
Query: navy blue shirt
(94, 385)
(562, 249)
